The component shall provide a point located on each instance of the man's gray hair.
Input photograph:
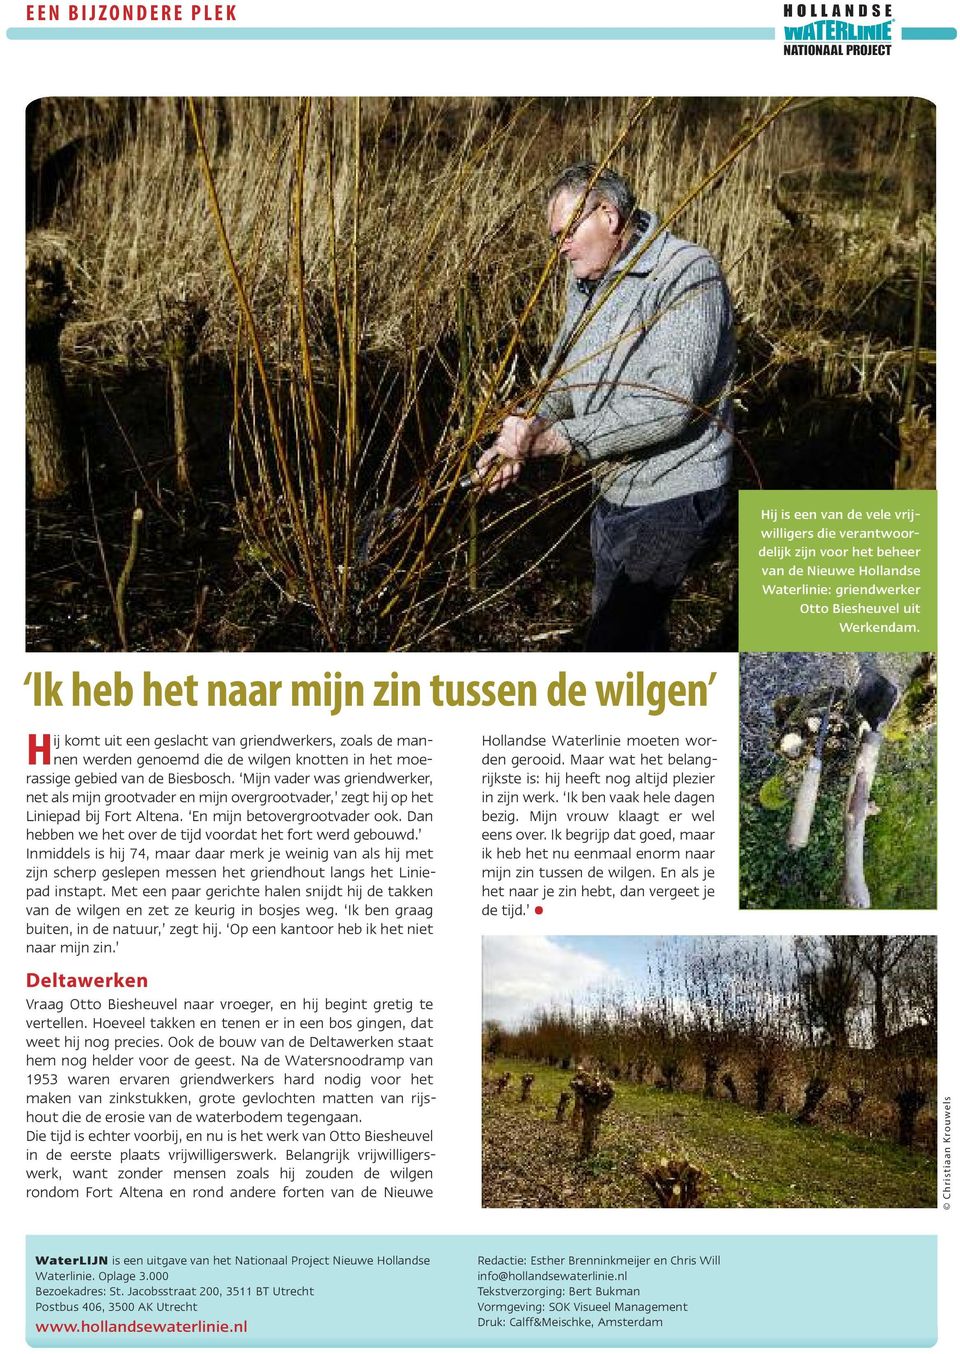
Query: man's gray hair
(607, 185)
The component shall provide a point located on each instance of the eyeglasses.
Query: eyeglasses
(567, 233)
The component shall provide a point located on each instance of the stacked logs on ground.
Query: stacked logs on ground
(675, 1183)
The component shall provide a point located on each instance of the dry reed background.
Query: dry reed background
(386, 249)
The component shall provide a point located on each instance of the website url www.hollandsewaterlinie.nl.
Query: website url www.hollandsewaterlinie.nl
(108, 1327)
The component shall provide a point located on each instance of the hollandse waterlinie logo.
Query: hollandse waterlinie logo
(860, 29)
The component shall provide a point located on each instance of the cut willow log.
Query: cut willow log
(806, 802)
(858, 809)
(804, 806)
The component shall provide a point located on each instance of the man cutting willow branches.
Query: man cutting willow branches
(637, 385)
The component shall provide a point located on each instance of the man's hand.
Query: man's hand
(502, 462)
(518, 439)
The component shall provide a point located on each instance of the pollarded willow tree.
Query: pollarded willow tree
(711, 1000)
(764, 1014)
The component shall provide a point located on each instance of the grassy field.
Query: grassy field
(750, 1160)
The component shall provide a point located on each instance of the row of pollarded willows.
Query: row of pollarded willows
(830, 1028)
(745, 1159)
(675, 1183)
(592, 1093)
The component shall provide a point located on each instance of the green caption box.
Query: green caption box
(833, 571)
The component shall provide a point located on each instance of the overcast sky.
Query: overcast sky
(525, 974)
(522, 974)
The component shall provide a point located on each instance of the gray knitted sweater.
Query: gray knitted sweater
(643, 387)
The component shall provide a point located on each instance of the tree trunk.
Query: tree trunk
(589, 1130)
(711, 1070)
(909, 1105)
(594, 1094)
(46, 430)
(857, 811)
(672, 1074)
(814, 1092)
(908, 173)
(183, 320)
(48, 300)
(181, 433)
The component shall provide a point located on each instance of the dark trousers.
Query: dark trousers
(641, 556)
